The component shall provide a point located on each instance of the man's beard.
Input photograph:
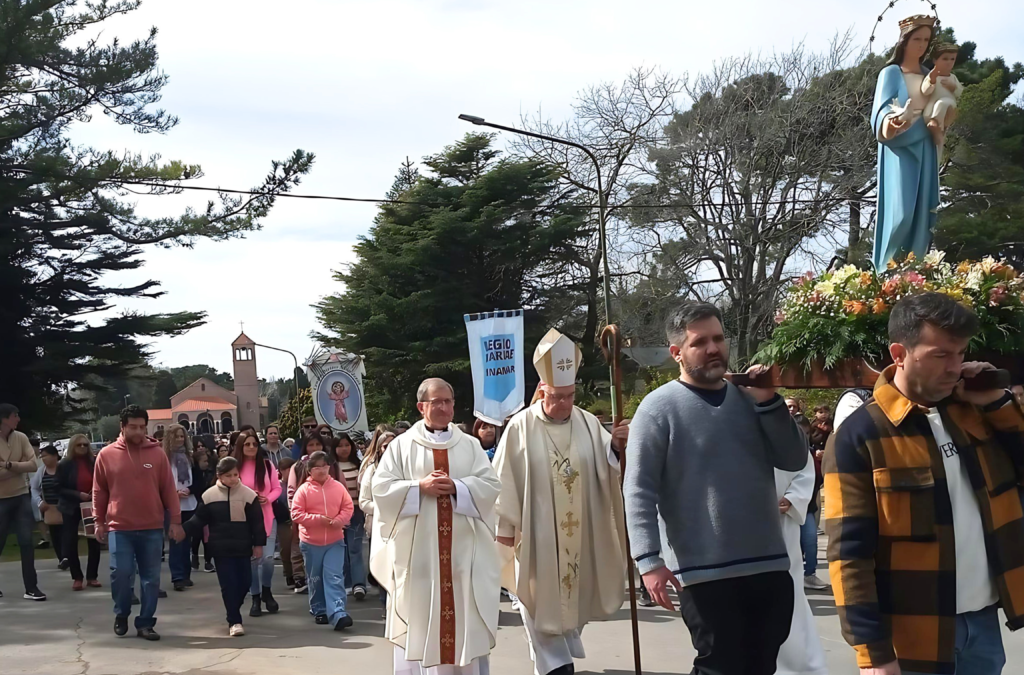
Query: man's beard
(711, 374)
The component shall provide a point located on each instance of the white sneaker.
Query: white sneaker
(236, 630)
(814, 583)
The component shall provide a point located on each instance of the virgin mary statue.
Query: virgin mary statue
(908, 166)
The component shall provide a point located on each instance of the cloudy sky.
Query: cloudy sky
(365, 84)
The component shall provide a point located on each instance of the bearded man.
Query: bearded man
(702, 454)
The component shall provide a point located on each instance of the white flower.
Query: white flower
(975, 278)
(826, 288)
(840, 276)
(934, 257)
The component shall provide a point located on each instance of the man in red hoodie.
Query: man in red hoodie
(132, 487)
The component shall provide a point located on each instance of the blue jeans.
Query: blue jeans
(355, 567)
(16, 514)
(979, 644)
(325, 573)
(128, 549)
(179, 554)
(263, 569)
(233, 574)
(809, 544)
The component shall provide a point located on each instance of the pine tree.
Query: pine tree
(484, 232)
(64, 221)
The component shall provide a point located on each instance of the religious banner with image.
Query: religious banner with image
(336, 383)
(496, 355)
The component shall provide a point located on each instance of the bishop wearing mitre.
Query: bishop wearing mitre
(561, 509)
(434, 492)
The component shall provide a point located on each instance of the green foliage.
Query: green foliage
(298, 407)
(653, 378)
(812, 398)
(109, 427)
(164, 389)
(65, 222)
(983, 178)
(186, 375)
(497, 232)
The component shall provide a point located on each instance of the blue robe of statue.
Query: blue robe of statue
(908, 178)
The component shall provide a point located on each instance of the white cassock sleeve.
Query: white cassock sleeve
(799, 492)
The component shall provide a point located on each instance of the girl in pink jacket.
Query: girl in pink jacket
(322, 508)
(260, 475)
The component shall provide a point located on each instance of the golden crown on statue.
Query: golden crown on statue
(917, 21)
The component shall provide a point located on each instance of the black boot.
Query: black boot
(268, 600)
(567, 669)
(256, 610)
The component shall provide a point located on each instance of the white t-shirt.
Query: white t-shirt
(974, 588)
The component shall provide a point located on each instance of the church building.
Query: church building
(205, 407)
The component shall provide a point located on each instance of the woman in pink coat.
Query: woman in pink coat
(322, 508)
(260, 475)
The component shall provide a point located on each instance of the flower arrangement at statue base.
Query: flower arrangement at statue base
(844, 314)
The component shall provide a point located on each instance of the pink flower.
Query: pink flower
(998, 295)
(780, 317)
(914, 279)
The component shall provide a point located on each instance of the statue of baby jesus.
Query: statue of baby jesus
(943, 91)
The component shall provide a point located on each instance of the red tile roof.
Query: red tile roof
(161, 414)
(202, 403)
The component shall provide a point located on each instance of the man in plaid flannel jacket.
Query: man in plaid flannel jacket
(923, 505)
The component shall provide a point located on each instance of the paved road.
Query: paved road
(71, 634)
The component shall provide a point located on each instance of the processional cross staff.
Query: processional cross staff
(611, 342)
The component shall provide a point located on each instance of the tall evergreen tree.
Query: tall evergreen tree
(484, 232)
(983, 177)
(64, 223)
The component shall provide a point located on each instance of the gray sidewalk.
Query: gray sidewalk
(72, 634)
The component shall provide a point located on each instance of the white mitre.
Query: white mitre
(557, 360)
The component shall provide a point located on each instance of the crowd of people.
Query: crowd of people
(917, 487)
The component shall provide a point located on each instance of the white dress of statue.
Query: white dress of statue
(943, 90)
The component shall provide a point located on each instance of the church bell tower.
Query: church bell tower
(247, 387)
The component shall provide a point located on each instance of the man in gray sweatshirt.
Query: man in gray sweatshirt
(700, 500)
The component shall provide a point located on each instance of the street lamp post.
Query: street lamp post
(602, 207)
(602, 219)
(295, 375)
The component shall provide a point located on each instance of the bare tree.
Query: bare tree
(620, 123)
(756, 175)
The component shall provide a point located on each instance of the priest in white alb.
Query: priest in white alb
(561, 509)
(434, 492)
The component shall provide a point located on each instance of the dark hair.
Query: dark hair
(316, 458)
(50, 450)
(403, 425)
(306, 441)
(133, 412)
(285, 464)
(226, 465)
(685, 314)
(6, 410)
(337, 441)
(271, 426)
(260, 459)
(308, 420)
(246, 427)
(901, 46)
(941, 311)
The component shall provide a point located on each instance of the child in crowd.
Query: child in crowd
(237, 536)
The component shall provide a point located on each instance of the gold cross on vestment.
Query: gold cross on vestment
(570, 524)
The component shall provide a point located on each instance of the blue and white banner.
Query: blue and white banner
(496, 354)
